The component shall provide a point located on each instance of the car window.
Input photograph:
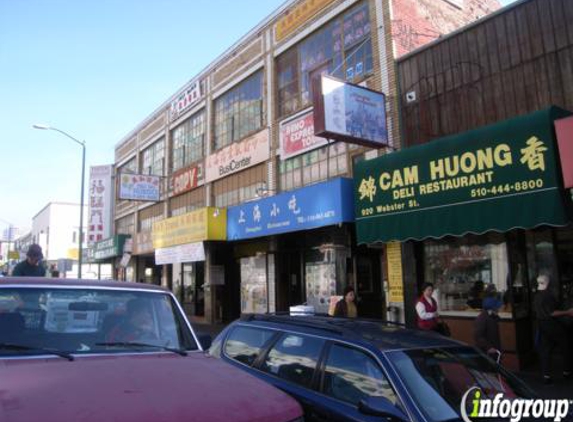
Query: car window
(294, 358)
(437, 378)
(351, 375)
(84, 320)
(244, 344)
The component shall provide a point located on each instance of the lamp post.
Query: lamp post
(83, 145)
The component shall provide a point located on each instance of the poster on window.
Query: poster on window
(99, 203)
(349, 113)
(254, 298)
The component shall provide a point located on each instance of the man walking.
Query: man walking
(32, 265)
(551, 330)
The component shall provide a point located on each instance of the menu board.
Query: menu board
(394, 262)
(320, 285)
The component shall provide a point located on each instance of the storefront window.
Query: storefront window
(314, 166)
(239, 112)
(188, 141)
(466, 270)
(254, 297)
(150, 215)
(153, 159)
(541, 257)
(341, 48)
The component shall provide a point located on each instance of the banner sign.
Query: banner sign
(297, 136)
(498, 177)
(238, 156)
(394, 262)
(196, 226)
(349, 113)
(139, 187)
(564, 129)
(186, 179)
(297, 16)
(109, 248)
(184, 101)
(100, 203)
(191, 252)
(323, 204)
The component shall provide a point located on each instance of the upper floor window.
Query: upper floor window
(188, 141)
(239, 112)
(153, 159)
(341, 48)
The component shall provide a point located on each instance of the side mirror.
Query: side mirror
(381, 406)
(205, 340)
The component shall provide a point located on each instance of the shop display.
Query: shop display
(254, 298)
(320, 285)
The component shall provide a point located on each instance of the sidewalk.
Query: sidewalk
(560, 389)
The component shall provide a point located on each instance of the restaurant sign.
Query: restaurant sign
(207, 223)
(109, 248)
(323, 204)
(498, 177)
(297, 135)
(238, 156)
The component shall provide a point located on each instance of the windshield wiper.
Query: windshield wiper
(130, 344)
(9, 346)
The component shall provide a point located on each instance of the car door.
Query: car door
(347, 375)
(290, 364)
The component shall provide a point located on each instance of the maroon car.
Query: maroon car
(110, 351)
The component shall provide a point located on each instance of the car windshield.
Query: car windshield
(437, 378)
(81, 320)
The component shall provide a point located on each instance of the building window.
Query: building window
(239, 112)
(125, 225)
(465, 271)
(239, 188)
(187, 202)
(314, 166)
(150, 215)
(153, 159)
(188, 141)
(341, 48)
(129, 167)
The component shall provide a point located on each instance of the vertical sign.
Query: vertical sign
(99, 206)
(394, 262)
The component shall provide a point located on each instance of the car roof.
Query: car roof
(383, 335)
(69, 282)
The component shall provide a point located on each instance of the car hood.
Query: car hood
(149, 387)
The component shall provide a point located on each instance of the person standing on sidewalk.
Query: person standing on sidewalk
(32, 265)
(427, 309)
(486, 326)
(552, 332)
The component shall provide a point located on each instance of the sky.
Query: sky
(95, 69)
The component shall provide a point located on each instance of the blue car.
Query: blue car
(363, 370)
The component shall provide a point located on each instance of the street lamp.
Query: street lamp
(83, 145)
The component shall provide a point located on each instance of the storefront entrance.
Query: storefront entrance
(191, 293)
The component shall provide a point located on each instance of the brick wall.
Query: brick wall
(418, 22)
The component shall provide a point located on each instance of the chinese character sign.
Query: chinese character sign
(320, 205)
(139, 187)
(99, 203)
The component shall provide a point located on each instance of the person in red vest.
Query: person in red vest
(427, 309)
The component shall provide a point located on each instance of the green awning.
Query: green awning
(498, 177)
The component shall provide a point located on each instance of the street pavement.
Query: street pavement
(560, 388)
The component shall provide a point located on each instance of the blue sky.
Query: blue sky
(95, 69)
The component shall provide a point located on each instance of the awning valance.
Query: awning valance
(497, 177)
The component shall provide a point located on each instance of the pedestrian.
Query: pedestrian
(346, 307)
(552, 332)
(427, 309)
(486, 325)
(32, 266)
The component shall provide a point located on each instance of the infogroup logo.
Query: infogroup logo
(515, 409)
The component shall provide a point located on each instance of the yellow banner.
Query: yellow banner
(208, 223)
(72, 253)
(297, 16)
(394, 262)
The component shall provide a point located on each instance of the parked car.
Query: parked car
(361, 370)
(115, 351)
